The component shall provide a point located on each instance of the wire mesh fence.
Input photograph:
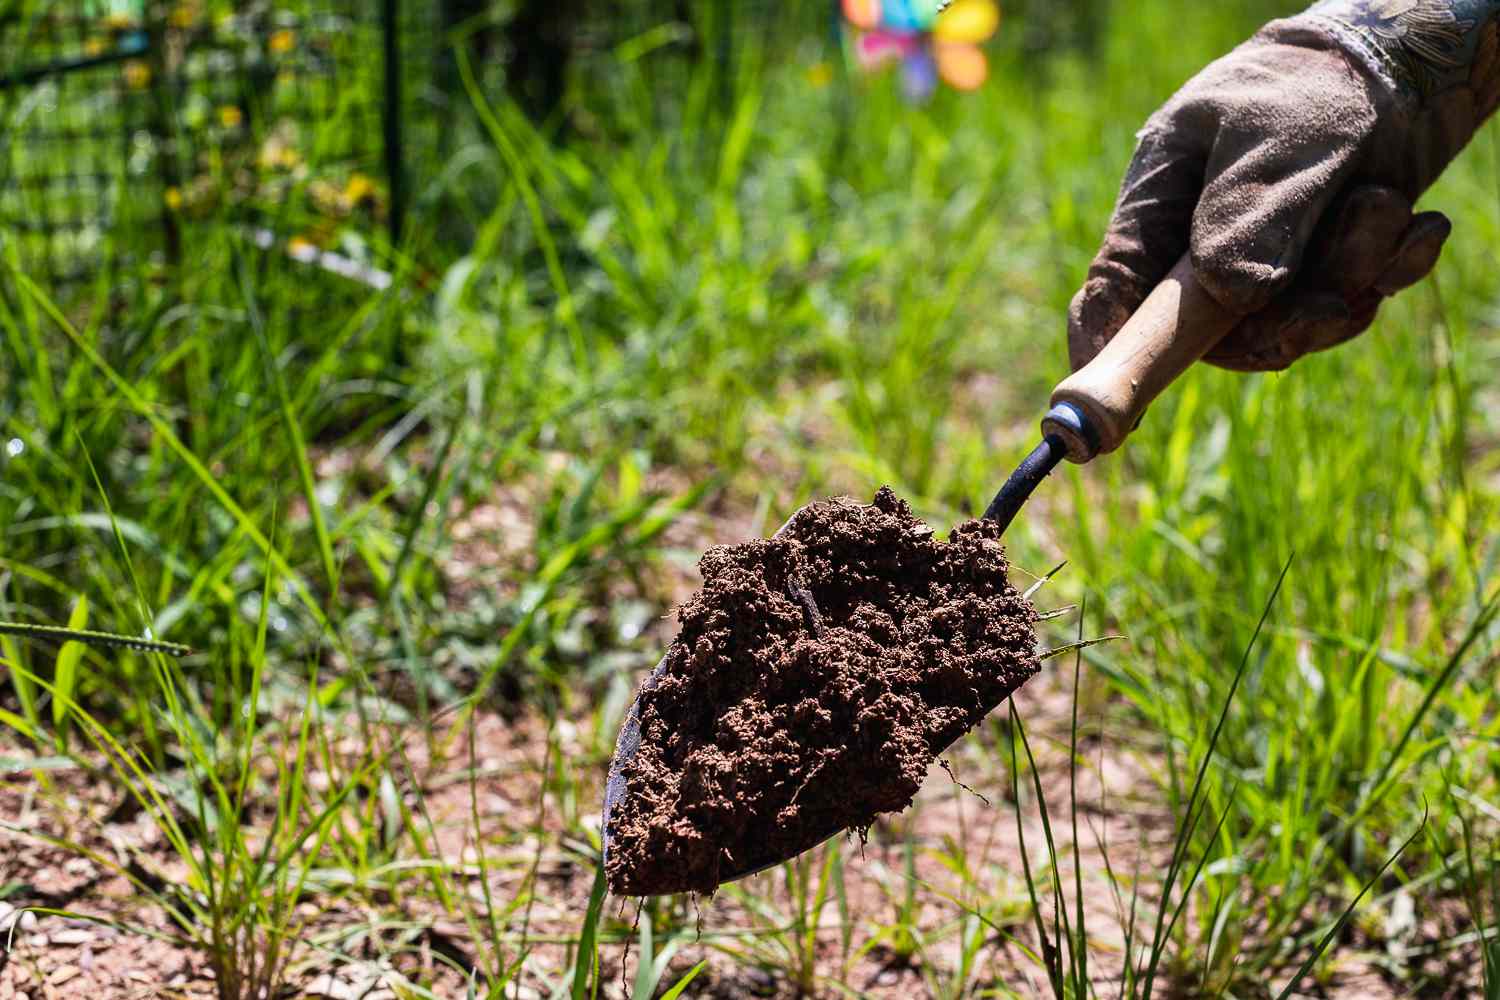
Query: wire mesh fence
(126, 121)
(127, 124)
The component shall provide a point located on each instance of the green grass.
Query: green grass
(723, 289)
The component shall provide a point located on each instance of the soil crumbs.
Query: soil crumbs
(815, 679)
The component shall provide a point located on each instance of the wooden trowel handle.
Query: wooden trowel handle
(1173, 329)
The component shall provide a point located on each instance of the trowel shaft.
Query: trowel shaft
(1095, 409)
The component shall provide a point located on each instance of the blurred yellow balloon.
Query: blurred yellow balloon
(863, 14)
(968, 21)
(962, 66)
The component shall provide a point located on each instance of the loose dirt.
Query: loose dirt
(815, 679)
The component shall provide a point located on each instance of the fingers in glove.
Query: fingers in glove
(1362, 241)
(1316, 321)
(1284, 331)
(1146, 237)
(1372, 248)
(1421, 246)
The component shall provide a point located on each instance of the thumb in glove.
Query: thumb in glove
(1373, 248)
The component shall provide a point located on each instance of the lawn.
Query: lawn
(425, 539)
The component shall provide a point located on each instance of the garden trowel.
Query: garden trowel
(1093, 412)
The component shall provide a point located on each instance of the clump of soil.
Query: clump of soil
(815, 679)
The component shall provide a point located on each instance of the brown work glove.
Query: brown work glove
(1289, 169)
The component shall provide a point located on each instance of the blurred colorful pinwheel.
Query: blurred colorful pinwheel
(932, 40)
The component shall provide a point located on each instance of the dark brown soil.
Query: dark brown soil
(784, 714)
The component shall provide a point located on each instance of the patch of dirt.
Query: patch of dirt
(505, 804)
(122, 949)
(816, 677)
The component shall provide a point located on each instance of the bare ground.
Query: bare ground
(963, 845)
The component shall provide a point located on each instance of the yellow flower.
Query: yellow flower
(231, 116)
(278, 153)
(184, 15)
(360, 191)
(300, 247)
(281, 42)
(119, 22)
(820, 75)
(137, 75)
(94, 46)
(173, 198)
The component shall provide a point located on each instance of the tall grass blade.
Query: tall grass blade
(685, 981)
(1051, 954)
(1081, 953)
(102, 640)
(587, 959)
(65, 673)
(291, 424)
(1190, 821)
(1348, 914)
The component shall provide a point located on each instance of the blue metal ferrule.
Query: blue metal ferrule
(1073, 425)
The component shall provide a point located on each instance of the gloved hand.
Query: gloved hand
(1289, 168)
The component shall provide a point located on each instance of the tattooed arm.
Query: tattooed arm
(1422, 47)
(1289, 169)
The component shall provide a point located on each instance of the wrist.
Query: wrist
(1420, 48)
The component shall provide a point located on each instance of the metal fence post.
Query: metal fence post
(163, 128)
(395, 114)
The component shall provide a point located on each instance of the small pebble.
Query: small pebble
(63, 974)
(72, 937)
